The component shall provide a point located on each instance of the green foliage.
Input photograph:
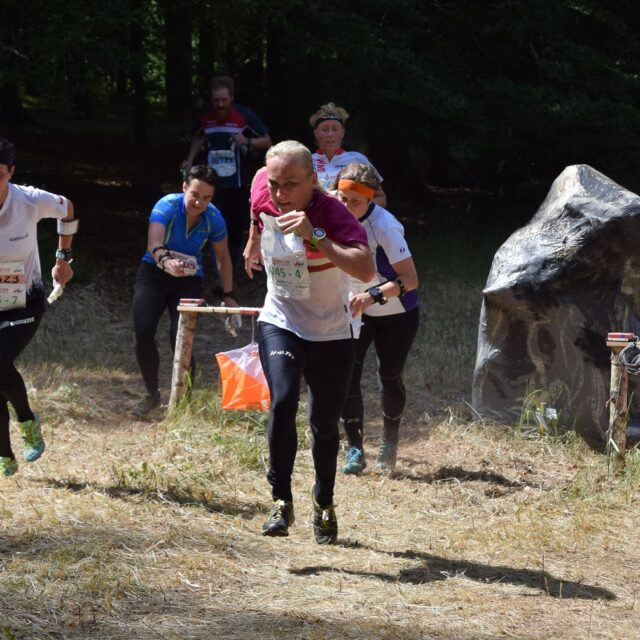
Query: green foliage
(486, 94)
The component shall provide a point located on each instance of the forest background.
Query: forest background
(494, 96)
(469, 110)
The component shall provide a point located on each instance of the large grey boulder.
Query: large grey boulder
(556, 288)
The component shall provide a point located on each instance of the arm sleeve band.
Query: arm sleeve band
(67, 227)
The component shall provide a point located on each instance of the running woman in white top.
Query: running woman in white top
(390, 315)
(304, 330)
(328, 124)
(22, 294)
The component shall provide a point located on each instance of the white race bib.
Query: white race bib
(13, 289)
(285, 261)
(223, 161)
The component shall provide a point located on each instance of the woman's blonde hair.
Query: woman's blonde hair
(329, 111)
(291, 148)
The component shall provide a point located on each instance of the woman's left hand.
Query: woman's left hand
(360, 303)
(62, 272)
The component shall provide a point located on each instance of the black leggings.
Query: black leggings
(326, 367)
(392, 337)
(156, 291)
(17, 328)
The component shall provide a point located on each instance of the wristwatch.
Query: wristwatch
(377, 295)
(64, 254)
(316, 235)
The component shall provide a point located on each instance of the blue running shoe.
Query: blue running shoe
(8, 466)
(32, 439)
(355, 461)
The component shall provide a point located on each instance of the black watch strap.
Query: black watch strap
(377, 295)
(64, 254)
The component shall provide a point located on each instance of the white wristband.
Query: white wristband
(67, 227)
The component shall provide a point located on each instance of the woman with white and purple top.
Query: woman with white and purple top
(304, 331)
(390, 316)
(328, 124)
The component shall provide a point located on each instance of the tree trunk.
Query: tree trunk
(136, 73)
(178, 60)
(272, 73)
(11, 109)
(206, 51)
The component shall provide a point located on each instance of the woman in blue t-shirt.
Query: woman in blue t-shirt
(180, 226)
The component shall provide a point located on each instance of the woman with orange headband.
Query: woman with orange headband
(388, 306)
(328, 124)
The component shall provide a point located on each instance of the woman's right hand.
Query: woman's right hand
(174, 266)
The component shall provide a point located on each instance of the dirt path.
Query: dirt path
(144, 531)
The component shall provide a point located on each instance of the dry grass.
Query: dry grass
(127, 529)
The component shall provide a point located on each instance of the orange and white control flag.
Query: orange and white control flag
(244, 385)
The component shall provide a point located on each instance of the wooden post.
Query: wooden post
(184, 343)
(182, 356)
(617, 433)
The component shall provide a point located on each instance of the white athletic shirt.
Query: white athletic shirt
(385, 235)
(327, 170)
(20, 213)
(325, 315)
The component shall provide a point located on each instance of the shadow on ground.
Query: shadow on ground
(172, 615)
(436, 568)
(445, 474)
(175, 495)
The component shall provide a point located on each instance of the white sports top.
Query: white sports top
(385, 234)
(328, 170)
(20, 213)
(325, 314)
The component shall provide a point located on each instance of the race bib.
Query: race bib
(13, 289)
(285, 261)
(223, 161)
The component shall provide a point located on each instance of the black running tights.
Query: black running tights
(392, 337)
(17, 328)
(326, 367)
(156, 291)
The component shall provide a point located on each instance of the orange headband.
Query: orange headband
(350, 185)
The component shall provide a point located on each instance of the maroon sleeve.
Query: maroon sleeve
(339, 223)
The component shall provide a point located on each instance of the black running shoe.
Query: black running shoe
(146, 405)
(325, 523)
(280, 519)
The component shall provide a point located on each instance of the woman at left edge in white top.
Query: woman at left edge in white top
(22, 297)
